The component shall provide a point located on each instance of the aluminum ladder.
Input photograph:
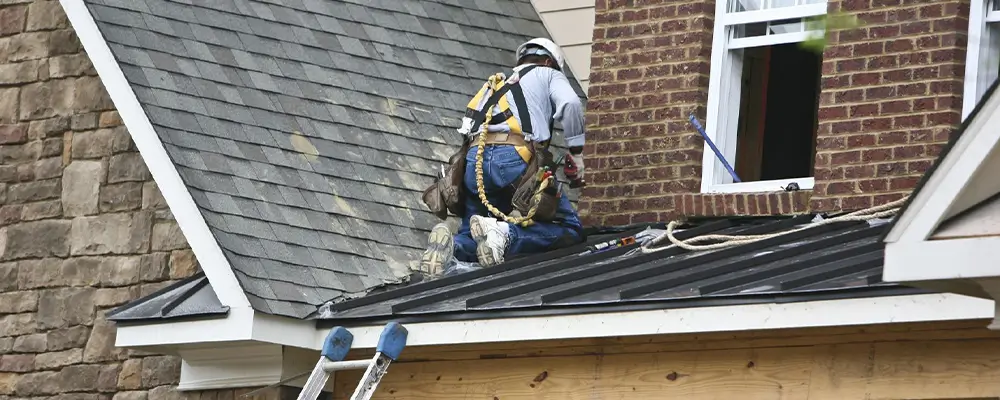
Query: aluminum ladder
(338, 342)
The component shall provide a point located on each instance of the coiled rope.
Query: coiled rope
(881, 211)
(526, 220)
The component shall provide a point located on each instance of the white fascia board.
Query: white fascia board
(810, 314)
(946, 259)
(237, 326)
(932, 204)
(241, 325)
(175, 192)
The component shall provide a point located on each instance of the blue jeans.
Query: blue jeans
(502, 167)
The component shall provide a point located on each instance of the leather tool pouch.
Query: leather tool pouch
(447, 192)
(524, 195)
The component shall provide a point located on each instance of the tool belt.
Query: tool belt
(448, 194)
(530, 193)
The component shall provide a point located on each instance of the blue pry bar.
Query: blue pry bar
(338, 343)
(701, 130)
(392, 341)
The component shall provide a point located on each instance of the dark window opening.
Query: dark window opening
(779, 105)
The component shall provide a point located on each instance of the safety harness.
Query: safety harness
(500, 85)
(476, 120)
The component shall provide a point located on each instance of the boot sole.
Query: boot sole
(439, 250)
(483, 252)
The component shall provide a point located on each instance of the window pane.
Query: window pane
(754, 5)
(769, 28)
(996, 5)
(779, 100)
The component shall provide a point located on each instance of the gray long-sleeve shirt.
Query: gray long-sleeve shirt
(547, 93)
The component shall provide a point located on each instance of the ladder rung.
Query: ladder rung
(330, 366)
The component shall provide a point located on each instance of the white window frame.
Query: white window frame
(983, 54)
(724, 88)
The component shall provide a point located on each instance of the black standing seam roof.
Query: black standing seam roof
(836, 260)
(188, 298)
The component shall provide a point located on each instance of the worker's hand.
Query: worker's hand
(573, 167)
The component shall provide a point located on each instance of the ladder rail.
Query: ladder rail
(335, 348)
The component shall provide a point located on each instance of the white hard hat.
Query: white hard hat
(551, 50)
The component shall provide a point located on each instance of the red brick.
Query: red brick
(873, 185)
(845, 157)
(903, 183)
(896, 107)
(863, 110)
(859, 171)
(856, 202)
(868, 49)
(839, 188)
(876, 155)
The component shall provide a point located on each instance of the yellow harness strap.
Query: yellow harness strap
(495, 83)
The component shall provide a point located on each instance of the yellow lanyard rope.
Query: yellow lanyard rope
(526, 220)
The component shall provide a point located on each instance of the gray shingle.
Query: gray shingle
(373, 87)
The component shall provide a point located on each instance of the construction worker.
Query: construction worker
(538, 93)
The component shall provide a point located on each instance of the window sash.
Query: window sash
(773, 14)
(725, 83)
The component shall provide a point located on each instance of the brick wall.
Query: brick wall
(83, 227)
(890, 97)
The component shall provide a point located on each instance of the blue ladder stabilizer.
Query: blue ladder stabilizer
(338, 343)
(701, 130)
(392, 340)
(335, 348)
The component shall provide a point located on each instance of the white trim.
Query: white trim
(934, 201)
(977, 28)
(760, 186)
(230, 366)
(967, 258)
(992, 16)
(771, 40)
(175, 192)
(240, 325)
(773, 14)
(207, 334)
(827, 313)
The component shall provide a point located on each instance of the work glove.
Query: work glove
(573, 168)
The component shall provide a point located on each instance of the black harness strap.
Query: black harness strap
(479, 116)
(522, 106)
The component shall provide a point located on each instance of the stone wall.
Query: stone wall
(83, 228)
(891, 95)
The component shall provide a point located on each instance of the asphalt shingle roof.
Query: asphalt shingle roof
(306, 129)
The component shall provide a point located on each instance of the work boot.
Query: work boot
(491, 237)
(440, 251)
